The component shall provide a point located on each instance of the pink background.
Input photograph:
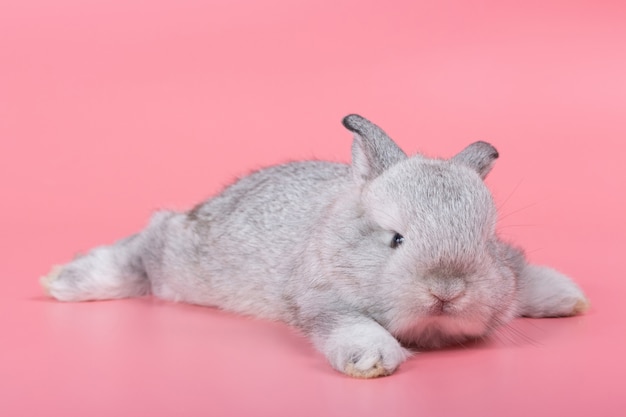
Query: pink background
(111, 109)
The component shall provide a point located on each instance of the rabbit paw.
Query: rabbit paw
(48, 280)
(548, 293)
(104, 273)
(62, 283)
(364, 350)
(362, 369)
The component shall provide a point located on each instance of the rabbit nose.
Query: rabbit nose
(451, 291)
(447, 296)
(443, 299)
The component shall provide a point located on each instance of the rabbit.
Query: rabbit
(371, 261)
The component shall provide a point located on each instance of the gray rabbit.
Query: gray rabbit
(368, 259)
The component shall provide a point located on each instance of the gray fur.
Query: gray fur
(480, 156)
(309, 243)
(373, 151)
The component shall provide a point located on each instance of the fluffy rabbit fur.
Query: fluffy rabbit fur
(367, 260)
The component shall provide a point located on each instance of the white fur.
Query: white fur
(548, 293)
(362, 348)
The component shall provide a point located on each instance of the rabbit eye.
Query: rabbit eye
(397, 240)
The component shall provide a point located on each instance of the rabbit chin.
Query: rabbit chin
(440, 331)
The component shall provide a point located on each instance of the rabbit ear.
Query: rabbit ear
(479, 156)
(372, 150)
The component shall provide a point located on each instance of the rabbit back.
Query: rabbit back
(240, 250)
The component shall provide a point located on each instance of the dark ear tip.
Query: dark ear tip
(352, 122)
(494, 152)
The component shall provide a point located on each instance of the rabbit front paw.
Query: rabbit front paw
(364, 350)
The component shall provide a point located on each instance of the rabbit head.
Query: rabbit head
(428, 257)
